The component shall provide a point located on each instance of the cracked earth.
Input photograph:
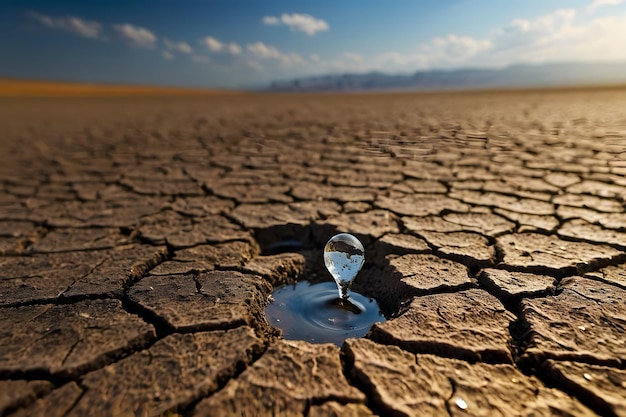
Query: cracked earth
(141, 238)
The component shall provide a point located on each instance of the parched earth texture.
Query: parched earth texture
(141, 238)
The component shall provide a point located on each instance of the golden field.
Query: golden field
(31, 88)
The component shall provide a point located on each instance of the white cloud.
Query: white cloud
(85, 28)
(271, 20)
(212, 44)
(263, 51)
(452, 49)
(167, 55)
(183, 47)
(561, 36)
(556, 37)
(136, 36)
(305, 23)
(234, 49)
(599, 3)
(521, 32)
(440, 52)
(301, 22)
(545, 38)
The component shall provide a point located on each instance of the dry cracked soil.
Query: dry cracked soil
(141, 238)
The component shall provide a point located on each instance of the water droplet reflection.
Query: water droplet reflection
(344, 256)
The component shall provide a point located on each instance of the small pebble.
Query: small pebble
(460, 402)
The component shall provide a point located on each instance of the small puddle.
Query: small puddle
(315, 313)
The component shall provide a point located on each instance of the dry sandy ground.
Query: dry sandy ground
(140, 238)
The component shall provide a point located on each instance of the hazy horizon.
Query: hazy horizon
(245, 43)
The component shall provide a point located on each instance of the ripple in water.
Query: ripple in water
(316, 314)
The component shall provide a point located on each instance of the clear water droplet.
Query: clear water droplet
(344, 256)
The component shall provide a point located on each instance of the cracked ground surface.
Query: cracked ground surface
(141, 238)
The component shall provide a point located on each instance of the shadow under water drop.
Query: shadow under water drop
(315, 313)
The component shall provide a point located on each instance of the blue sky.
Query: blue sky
(249, 43)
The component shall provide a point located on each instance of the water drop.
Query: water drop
(344, 256)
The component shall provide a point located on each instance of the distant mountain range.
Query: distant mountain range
(561, 74)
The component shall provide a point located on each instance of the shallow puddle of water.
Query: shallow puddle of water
(314, 313)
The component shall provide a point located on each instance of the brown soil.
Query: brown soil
(141, 237)
(36, 88)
